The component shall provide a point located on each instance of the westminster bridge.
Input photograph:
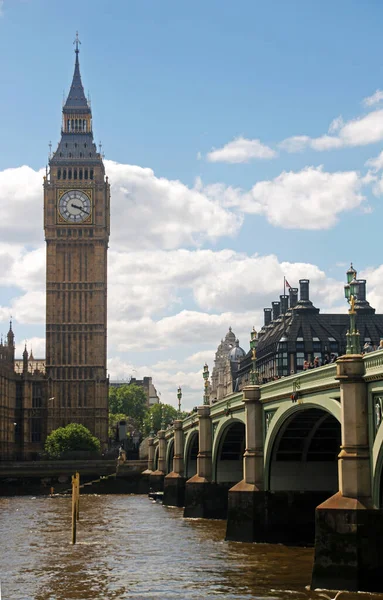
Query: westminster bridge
(286, 462)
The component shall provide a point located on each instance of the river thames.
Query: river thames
(129, 547)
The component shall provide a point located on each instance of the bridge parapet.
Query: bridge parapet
(373, 365)
(304, 381)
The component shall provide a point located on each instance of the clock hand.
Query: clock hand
(80, 208)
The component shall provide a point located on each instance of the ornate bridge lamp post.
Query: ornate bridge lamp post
(205, 375)
(254, 375)
(351, 294)
(179, 397)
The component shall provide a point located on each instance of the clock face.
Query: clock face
(74, 206)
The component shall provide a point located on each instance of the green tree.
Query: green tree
(155, 413)
(129, 400)
(73, 437)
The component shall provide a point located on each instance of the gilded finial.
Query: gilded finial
(77, 42)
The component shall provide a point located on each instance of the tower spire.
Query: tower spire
(76, 98)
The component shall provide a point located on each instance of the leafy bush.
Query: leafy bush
(72, 438)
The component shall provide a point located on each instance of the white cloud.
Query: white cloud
(21, 199)
(185, 328)
(336, 124)
(26, 309)
(202, 357)
(308, 199)
(296, 143)
(374, 99)
(153, 212)
(376, 164)
(362, 131)
(326, 142)
(218, 281)
(241, 150)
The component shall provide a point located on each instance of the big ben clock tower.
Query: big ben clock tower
(76, 224)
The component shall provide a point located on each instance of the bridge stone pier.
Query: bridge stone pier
(156, 478)
(349, 530)
(149, 470)
(203, 498)
(174, 482)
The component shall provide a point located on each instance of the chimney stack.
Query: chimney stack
(304, 290)
(361, 295)
(284, 303)
(267, 315)
(293, 297)
(276, 309)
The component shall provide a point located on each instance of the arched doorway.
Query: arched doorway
(305, 453)
(192, 448)
(228, 466)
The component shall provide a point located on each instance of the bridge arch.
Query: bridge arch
(377, 467)
(155, 459)
(228, 449)
(302, 447)
(169, 455)
(190, 453)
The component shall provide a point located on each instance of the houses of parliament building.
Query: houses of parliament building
(70, 384)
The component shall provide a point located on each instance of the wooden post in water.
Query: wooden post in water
(78, 496)
(74, 508)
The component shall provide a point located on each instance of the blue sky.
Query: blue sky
(170, 82)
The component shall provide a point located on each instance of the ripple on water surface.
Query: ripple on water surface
(129, 547)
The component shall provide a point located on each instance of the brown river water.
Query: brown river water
(129, 547)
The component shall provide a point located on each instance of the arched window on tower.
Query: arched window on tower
(75, 174)
(76, 125)
(69, 173)
(86, 174)
(68, 124)
(72, 127)
(80, 124)
(91, 174)
(59, 174)
(64, 174)
(84, 125)
(80, 174)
